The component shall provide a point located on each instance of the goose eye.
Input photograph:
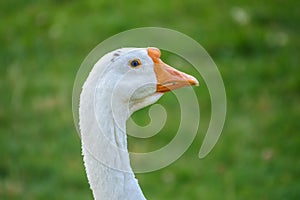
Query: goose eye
(135, 63)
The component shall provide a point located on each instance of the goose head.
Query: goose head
(138, 77)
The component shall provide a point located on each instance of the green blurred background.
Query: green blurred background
(255, 45)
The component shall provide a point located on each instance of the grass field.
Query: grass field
(255, 45)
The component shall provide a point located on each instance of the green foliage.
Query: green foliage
(255, 45)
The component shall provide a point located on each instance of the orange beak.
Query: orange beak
(167, 77)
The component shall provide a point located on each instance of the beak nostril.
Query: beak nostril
(176, 73)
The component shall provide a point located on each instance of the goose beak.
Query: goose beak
(167, 77)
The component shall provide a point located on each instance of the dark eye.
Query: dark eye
(135, 63)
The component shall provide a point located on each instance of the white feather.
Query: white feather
(111, 93)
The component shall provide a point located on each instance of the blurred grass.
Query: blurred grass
(255, 45)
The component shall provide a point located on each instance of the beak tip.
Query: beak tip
(193, 81)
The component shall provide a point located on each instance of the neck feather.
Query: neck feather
(104, 145)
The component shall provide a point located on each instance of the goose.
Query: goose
(120, 83)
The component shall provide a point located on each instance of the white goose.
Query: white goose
(120, 83)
